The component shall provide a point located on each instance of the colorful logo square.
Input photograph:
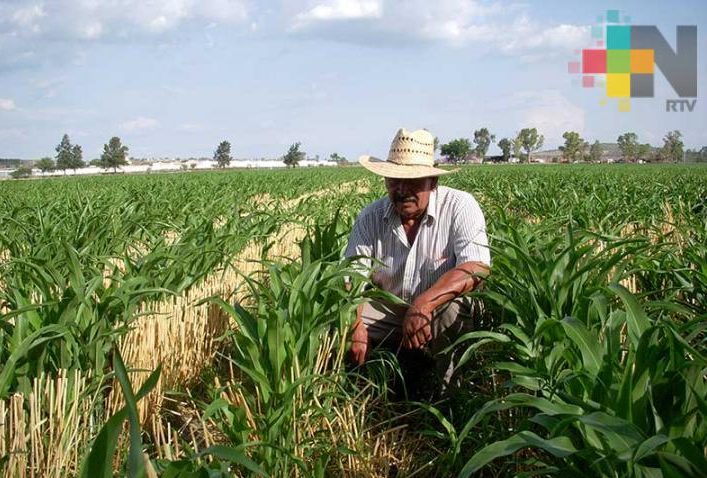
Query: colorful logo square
(618, 61)
(618, 37)
(593, 61)
(625, 104)
(618, 85)
(642, 61)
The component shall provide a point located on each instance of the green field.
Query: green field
(195, 324)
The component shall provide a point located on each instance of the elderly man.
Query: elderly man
(430, 247)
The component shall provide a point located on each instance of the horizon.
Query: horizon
(173, 78)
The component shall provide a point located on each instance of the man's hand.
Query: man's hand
(416, 327)
(359, 344)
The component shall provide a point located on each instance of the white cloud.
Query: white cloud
(92, 19)
(7, 104)
(140, 123)
(28, 16)
(547, 110)
(339, 10)
(492, 26)
(532, 41)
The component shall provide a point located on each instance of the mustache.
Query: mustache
(402, 198)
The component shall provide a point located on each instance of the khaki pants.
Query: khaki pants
(384, 324)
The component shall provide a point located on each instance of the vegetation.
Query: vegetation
(482, 139)
(672, 150)
(114, 154)
(574, 148)
(46, 165)
(456, 150)
(68, 156)
(338, 159)
(506, 146)
(222, 155)
(595, 152)
(529, 140)
(694, 156)
(21, 172)
(202, 319)
(628, 144)
(293, 156)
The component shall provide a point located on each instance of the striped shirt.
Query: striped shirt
(452, 232)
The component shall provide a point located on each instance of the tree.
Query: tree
(340, 160)
(529, 141)
(672, 149)
(21, 172)
(293, 156)
(506, 146)
(456, 150)
(628, 145)
(77, 161)
(222, 155)
(517, 147)
(695, 156)
(46, 165)
(574, 146)
(584, 151)
(114, 154)
(64, 154)
(643, 151)
(595, 152)
(483, 139)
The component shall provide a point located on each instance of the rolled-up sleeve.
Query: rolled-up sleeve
(361, 241)
(469, 232)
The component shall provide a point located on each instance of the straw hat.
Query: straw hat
(412, 155)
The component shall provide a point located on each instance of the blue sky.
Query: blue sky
(175, 77)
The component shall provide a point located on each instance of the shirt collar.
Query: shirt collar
(431, 213)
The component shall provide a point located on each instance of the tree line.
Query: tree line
(70, 156)
(291, 158)
(115, 154)
(574, 149)
(521, 146)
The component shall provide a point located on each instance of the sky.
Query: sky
(173, 78)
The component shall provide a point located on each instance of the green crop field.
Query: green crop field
(196, 324)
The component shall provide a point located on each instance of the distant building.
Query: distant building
(472, 158)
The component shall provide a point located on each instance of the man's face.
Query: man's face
(410, 196)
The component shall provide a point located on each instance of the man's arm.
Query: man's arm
(359, 339)
(455, 282)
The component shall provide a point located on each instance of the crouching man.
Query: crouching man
(430, 246)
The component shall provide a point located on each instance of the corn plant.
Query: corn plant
(605, 389)
(282, 348)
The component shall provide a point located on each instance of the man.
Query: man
(430, 247)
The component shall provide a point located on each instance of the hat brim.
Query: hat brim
(400, 171)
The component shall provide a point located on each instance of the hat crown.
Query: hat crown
(414, 148)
